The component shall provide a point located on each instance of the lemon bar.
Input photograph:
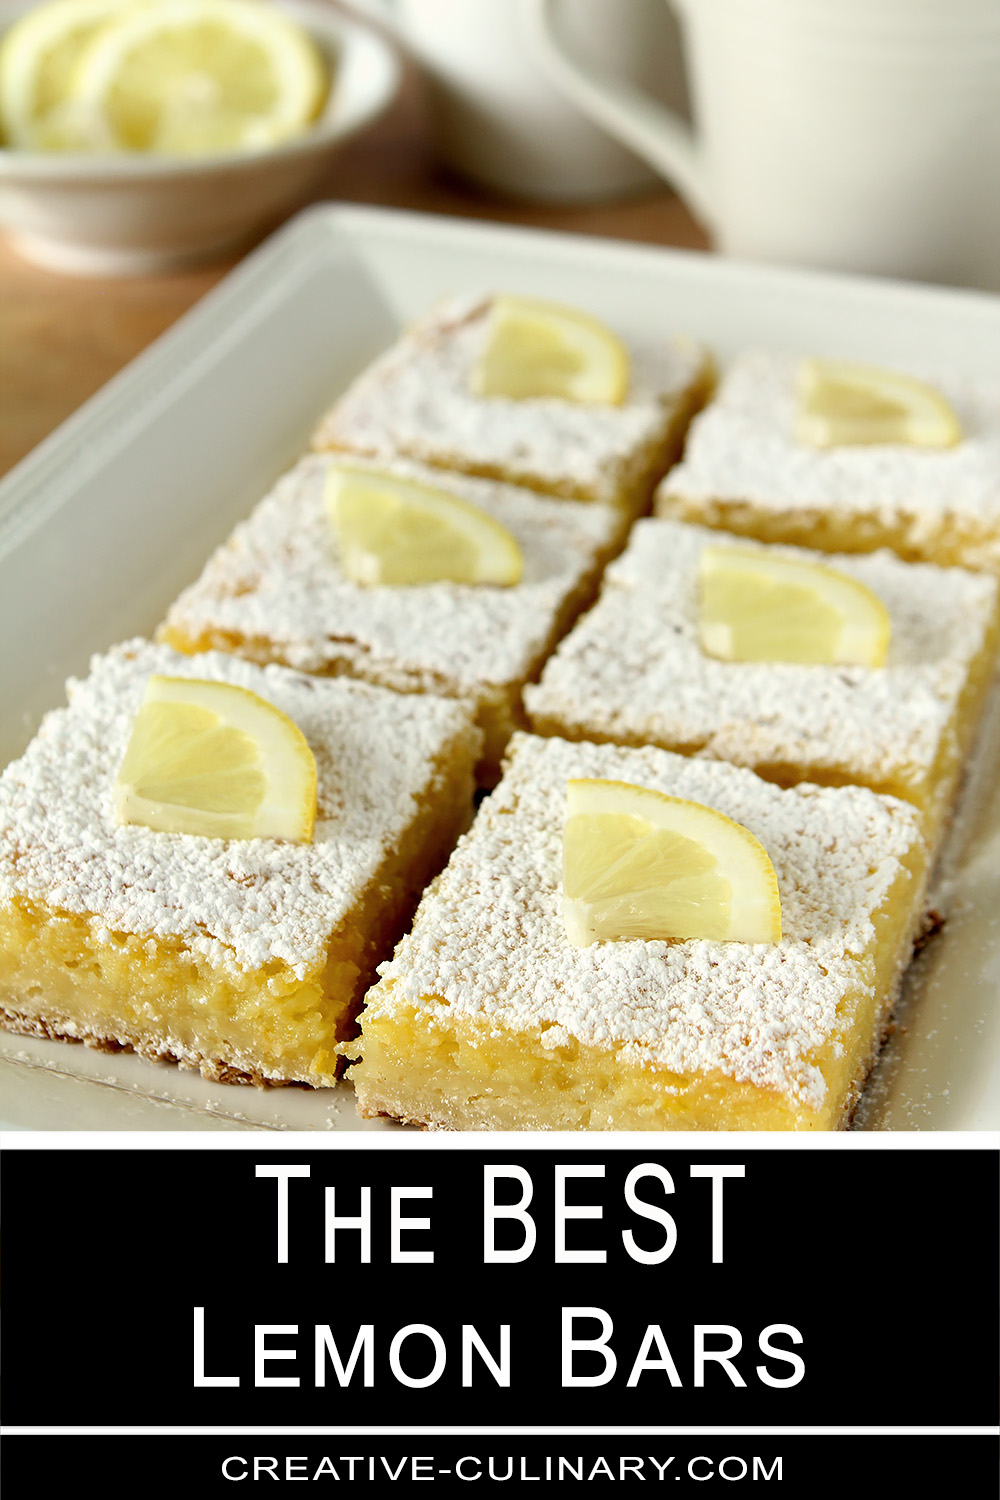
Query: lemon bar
(633, 671)
(487, 1017)
(243, 958)
(276, 591)
(416, 400)
(744, 470)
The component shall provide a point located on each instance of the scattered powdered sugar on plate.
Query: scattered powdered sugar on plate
(489, 940)
(241, 902)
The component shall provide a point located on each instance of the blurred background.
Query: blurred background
(857, 135)
(63, 335)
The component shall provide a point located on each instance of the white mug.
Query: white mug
(498, 119)
(860, 135)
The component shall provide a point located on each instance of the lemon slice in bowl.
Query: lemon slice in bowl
(396, 531)
(640, 864)
(755, 606)
(192, 77)
(844, 404)
(534, 349)
(38, 58)
(214, 759)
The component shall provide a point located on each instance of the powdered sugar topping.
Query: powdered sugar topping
(633, 668)
(742, 447)
(240, 903)
(489, 941)
(277, 583)
(416, 400)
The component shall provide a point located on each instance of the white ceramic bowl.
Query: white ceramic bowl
(129, 214)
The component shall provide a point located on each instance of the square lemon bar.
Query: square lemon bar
(244, 958)
(745, 470)
(633, 671)
(276, 591)
(417, 400)
(488, 1018)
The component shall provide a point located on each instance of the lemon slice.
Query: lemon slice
(213, 759)
(755, 606)
(639, 864)
(38, 58)
(842, 404)
(541, 349)
(187, 77)
(395, 531)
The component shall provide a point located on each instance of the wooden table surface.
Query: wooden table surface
(62, 337)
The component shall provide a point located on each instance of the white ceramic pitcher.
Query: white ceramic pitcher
(856, 134)
(499, 119)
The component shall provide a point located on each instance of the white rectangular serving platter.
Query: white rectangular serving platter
(114, 513)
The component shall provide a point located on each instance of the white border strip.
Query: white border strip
(598, 1143)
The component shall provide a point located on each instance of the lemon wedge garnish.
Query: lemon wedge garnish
(396, 531)
(640, 864)
(842, 404)
(38, 58)
(536, 349)
(213, 759)
(755, 606)
(191, 77)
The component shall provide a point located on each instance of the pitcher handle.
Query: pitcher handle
(651, 129)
